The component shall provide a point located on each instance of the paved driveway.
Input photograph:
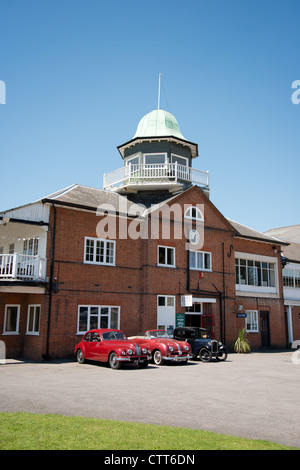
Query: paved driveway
(252, 396)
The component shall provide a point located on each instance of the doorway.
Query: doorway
(265, 329)
(166, 313)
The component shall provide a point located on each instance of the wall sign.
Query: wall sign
(186, 301)
(180, 320)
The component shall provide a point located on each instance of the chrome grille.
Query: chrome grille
(138, 350)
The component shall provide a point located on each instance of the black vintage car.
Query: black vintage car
(202, 345)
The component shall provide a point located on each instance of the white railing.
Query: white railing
(172, 172)
(24, 267)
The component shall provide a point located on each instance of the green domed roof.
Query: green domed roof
(158, 123)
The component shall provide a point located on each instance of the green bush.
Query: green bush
(241, 344)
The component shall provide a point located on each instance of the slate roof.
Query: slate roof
(84, 197)
(290, 234)
(247, 232)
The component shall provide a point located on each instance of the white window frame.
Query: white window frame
(188, 214)
(180, 156)
(35, 307)
(133, 157)
(166, 248)
(94, 261)
(294, 278)
(98, 315)
(262, 291)
(253, 322)
(152, 154)
(16, 332)
(198, 268)
(167, 299)
(31, 246)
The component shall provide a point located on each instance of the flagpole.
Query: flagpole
(159, 84)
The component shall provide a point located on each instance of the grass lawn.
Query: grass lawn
(25, 431)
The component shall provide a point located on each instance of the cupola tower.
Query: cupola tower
(157, 158)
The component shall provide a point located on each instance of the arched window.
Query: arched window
(193, 213)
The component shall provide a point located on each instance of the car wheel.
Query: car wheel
(143, 364)
(157, 358)
(113, 363)
(79, 356)
(222, 356)
(205, 355)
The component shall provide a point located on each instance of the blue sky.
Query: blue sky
(80, 74)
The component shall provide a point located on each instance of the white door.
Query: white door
(166, 313)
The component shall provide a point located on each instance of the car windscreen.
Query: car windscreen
(201, 334)
(157, 334)
(111, 335)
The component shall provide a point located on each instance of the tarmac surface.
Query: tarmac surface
(254, 396)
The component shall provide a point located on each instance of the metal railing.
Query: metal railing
(26, 267)
(162, 172)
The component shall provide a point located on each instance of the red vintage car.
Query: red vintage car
(163, 348)
(112, 346)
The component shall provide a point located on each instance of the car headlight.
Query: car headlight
(129, 352)
(144, 351)
(123, 353)
(171, 348)
(186, 348)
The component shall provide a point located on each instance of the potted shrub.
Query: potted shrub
(241, 344)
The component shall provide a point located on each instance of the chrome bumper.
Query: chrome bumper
(177, 358)
(133, 358)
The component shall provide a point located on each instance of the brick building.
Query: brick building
(291, 277)
(150, 250)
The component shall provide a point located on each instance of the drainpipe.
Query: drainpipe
(188, 271)
(46, 356)
(290, 325)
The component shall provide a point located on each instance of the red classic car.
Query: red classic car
(112, 346)
(163, 348)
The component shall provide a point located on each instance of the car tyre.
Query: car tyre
(80, 357)
(222, 356)
(157, 358)
(205, 355)
(113, 363)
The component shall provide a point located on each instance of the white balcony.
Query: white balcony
(169, 176)
(22, 267)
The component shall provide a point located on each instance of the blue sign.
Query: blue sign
(241, 315)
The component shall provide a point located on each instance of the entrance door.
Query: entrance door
(166, 313)
(265, 328)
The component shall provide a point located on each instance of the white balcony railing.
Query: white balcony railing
(24, 267)
(160, 173)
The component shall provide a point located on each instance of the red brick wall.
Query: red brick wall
(23, 345)
(136, 281)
